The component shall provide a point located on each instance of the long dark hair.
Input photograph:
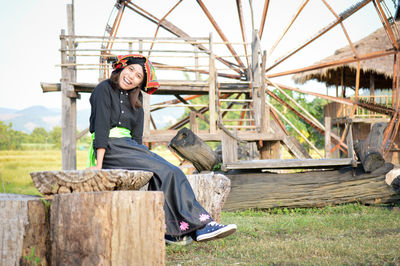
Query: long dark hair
(133, 94)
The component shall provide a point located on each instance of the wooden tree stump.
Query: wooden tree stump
(309, 189)
(369, 149)
(56, 182)
(108, 228)
(211, 191)
(23, 230)
(190, 147)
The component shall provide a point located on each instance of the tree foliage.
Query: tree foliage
(11, 139)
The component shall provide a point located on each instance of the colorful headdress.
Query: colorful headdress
(151, 84)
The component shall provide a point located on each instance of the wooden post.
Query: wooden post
(140, 46)
(357, 81)
(229, 149)
(372, 87)
(264, 107)
(23, 230)
(196, 63)
(328, 144)
(193, 123)
(68, 96)
(212, 89)
(108, 228)
(270, 150)
(256, 77)
(68, 112)
(146, 109)
(130, 47)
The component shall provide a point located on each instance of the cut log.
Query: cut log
(190, 147)
(53, 182)
(23, 230)
(108, 228)
(211, 191)
(393, 179)
(369, 150)
(310, 189)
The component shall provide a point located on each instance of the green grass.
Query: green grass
(15, 167)
(348, 234)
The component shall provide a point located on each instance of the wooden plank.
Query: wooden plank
(288, 163)
(166, 88)
(296, 148)
(167, 135)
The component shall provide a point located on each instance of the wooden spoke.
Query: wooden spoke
(221, 34)
(263, 18)
(321, 32)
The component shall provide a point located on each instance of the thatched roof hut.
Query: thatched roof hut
(378, 70)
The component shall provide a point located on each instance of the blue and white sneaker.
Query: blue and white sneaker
(214, 230)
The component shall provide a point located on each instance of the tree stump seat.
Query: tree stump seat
(23, 230)
(68, 181)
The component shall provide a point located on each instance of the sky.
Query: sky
(29, 47)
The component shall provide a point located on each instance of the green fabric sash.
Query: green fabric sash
(115, 132)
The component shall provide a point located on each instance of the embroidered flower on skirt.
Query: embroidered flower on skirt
(184, 226)
(204, 217)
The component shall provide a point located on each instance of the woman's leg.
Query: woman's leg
(183, 213)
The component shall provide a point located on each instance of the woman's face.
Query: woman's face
(131, 77)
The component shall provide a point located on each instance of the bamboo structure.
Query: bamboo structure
(239, 83)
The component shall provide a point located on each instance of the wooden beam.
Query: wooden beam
(343, 61)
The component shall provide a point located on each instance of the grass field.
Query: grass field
(348, 234)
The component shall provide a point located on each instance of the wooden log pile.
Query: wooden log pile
(309, 189)
(58, 182)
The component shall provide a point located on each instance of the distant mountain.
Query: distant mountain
(39, 116)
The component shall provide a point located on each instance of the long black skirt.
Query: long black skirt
(183, 213)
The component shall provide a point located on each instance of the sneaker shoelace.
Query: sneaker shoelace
(215, 224)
